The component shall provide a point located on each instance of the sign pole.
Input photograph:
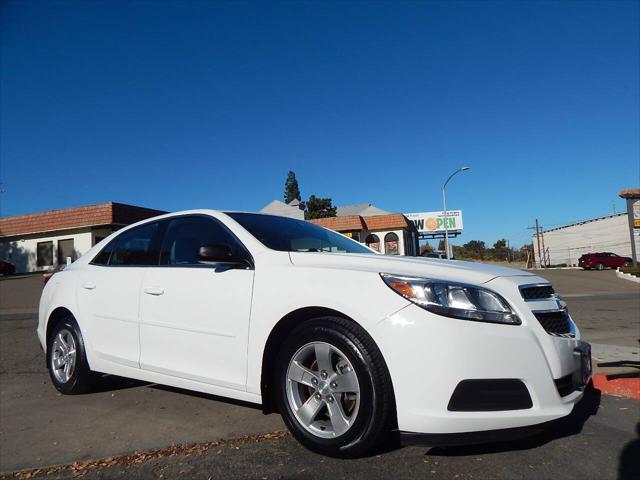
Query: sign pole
(446, 226)
(633, 214)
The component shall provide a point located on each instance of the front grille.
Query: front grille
(565, 385)
(537, 292)
(555, 322)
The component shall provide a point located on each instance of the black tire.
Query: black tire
(375, 417)
(599, 266)
(81, 379)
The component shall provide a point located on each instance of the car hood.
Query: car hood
(454, 270)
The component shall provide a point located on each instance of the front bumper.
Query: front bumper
(429, 355)
(472, 438)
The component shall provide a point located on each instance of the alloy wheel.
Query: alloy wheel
(323, 390)
(63, 356)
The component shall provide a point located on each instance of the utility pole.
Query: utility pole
(544, 250)
(543, 254)
(538, 239)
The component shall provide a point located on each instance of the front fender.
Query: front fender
(60, 294)
(361, 296)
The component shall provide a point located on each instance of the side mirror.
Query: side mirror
(219, 254)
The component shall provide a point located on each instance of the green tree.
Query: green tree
(474, 249)
(500, 244)
(291, 189)
(477, 246)
(500, 250)
(426, 248)
(319, 208)
(441, 245)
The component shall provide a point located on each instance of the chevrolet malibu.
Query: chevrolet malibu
(350, 347)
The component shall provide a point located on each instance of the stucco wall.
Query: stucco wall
(566, 245)
(22, 250)
(381, 234)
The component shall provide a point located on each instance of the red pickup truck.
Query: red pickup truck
(602, 260)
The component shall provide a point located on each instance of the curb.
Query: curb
(627, 276)
(542, 269)
(618, 387)
(18, 311)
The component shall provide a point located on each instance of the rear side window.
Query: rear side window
(185, 235)
(137, 246)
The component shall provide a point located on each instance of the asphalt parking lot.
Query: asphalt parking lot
(134, 424)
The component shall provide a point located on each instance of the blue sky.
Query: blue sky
(177, 105)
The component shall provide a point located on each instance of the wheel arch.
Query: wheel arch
(276, 338)
(55, 316)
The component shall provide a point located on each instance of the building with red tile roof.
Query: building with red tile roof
(44, 240)
(391, 234)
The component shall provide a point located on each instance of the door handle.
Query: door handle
(88, 286)
(154, 291)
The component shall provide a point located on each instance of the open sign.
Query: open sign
(434, 222)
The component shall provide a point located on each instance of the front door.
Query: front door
(194, 317)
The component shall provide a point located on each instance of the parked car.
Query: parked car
(603, 260)
(346, 344)
(7, 268)
(434, 255)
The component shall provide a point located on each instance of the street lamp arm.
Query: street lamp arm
(447, 181)
(452, 175)
(444, 208)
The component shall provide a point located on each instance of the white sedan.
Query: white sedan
(350, 347)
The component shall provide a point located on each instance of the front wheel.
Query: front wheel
(599, 266)
(66, 359)
(334, 390)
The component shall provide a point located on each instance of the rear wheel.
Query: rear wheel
(599, 266)
(334, 390)
(66, 359)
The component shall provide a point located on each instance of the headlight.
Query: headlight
(456, 300)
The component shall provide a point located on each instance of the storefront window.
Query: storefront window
(66, 250)
(373, 241)
(391, 244)
(44, 254)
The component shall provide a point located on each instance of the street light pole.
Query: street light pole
(444, 207)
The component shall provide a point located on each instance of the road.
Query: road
(606, 309)
(40, 428)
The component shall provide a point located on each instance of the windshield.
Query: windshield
(290, 235)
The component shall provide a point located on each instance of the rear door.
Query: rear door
(109, 294)
(194, 317)
(601, 258)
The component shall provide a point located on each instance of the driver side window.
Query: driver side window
(185, 235)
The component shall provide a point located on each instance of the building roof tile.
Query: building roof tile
(392, 221)
(630, 193)
(92, 215)
(341, 224)
(387, 222)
